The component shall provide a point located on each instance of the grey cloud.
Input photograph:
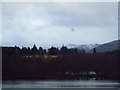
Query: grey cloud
(50, 23)
(79, 14)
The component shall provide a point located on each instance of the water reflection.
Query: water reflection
(57, 83)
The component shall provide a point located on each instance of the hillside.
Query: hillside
(114, 45)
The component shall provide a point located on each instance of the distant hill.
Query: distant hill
(110, 46)
(114, 45)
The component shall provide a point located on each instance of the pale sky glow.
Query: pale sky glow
(50, 24)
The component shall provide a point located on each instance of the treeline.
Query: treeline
(34, 51)
(69, 64)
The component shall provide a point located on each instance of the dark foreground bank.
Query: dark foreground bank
(70, 65)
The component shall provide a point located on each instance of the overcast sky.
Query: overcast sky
(54, 24)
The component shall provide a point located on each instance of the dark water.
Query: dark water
(57, 83)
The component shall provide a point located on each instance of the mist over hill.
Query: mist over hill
(87, 47)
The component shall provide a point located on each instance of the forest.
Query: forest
(59, 64)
